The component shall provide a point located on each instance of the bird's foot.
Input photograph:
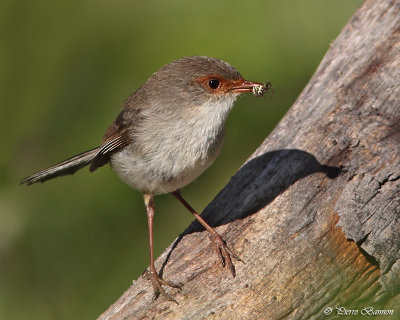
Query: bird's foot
(225, 253)
(158, 283)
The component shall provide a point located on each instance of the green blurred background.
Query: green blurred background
(71, 246)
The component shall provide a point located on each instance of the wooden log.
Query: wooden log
(315, 238)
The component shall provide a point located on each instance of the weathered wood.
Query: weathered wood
(312, 237)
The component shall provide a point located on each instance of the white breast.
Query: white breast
(175, 150)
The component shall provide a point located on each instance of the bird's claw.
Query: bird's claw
(158, 283)
(225, 254)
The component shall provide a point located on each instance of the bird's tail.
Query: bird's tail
(65, 167)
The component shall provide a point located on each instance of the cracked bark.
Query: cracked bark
(312, 236)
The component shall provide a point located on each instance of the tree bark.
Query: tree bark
(315, 211)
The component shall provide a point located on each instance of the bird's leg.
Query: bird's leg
(221, 248)
(153, 276)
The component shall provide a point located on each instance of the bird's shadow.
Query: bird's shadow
(255, 185)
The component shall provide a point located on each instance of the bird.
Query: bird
(168, 132)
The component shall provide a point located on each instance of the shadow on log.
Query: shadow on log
(261, 179)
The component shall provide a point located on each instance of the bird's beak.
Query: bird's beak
(242, 85)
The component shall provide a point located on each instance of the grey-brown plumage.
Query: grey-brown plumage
(156, 110)
(168, 132)
(69, 166)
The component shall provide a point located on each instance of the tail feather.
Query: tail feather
(69, 166)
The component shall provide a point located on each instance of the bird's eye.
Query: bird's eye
(213, 83)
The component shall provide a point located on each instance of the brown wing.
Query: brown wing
(115, 138)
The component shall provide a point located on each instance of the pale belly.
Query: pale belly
(172, 149)
(162, 172)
